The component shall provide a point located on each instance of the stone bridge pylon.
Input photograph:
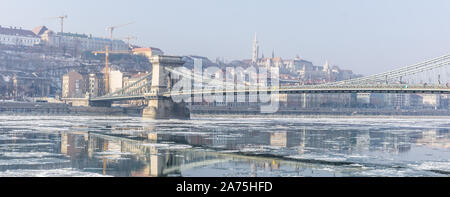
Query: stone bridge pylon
(159, 106)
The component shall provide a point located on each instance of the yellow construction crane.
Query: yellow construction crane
(61, 19)
(107, 52)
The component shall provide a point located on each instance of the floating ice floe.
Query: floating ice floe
(317, 158)
(32, 161)
(66, 172)
(168, 146)
(26, 144)
(29, 154)
(113, 153)
(443, 166)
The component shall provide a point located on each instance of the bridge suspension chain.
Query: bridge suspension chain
(131, 89)
(405, 71)
(371, 83)
(199, 78)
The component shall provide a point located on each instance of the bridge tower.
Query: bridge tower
(160, 106)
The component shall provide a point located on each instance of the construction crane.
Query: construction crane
(112, 28)
(61, 18)
(107, 52)
(129, 38)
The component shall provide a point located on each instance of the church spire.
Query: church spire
(255, 54)
(326, 67)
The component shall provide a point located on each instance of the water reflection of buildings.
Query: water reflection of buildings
(120, 156)
(149, 153)
(302, 140)
(436, 138)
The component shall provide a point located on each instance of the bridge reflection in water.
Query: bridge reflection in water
(144, 152)
(122, 156)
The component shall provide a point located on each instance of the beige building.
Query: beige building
(73, 85)
(431, 100)
(278, 139)
(76, 85)
(148, 52)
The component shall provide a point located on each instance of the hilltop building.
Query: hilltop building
(18, 37)
(81, 42)
(302, 70)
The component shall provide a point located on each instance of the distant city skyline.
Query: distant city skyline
(365, 36)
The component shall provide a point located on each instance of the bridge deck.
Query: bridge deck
(324, 90)
(397, 89)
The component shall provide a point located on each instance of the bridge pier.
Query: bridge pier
(165, 108)
(159, 106)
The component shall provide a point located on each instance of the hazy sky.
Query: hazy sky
(366, 36)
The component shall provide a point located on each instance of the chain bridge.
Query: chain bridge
(427, 77)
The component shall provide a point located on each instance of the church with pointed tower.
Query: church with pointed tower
(298, 68)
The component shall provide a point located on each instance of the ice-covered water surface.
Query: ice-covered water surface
(112, 146)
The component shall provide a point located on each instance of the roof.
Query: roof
(139, 75)
(141, 49)
(73, 35)
(39, 30)
(146, 49)
(16, 32)
(277, 59)
(156, 49)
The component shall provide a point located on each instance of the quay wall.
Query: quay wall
(319, 113)
(51, 109)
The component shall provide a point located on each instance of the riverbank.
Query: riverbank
(61, 109)
(264, 116)
(324, 113)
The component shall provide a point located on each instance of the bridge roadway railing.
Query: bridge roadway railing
(394, 88)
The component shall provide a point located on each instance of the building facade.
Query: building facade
(80, 85)
(18, 37)
(96, 86)
(115, 80)
(304, 71)
(74, 41)
(30, 86)
(73, 85)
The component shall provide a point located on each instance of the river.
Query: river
(223, 147)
